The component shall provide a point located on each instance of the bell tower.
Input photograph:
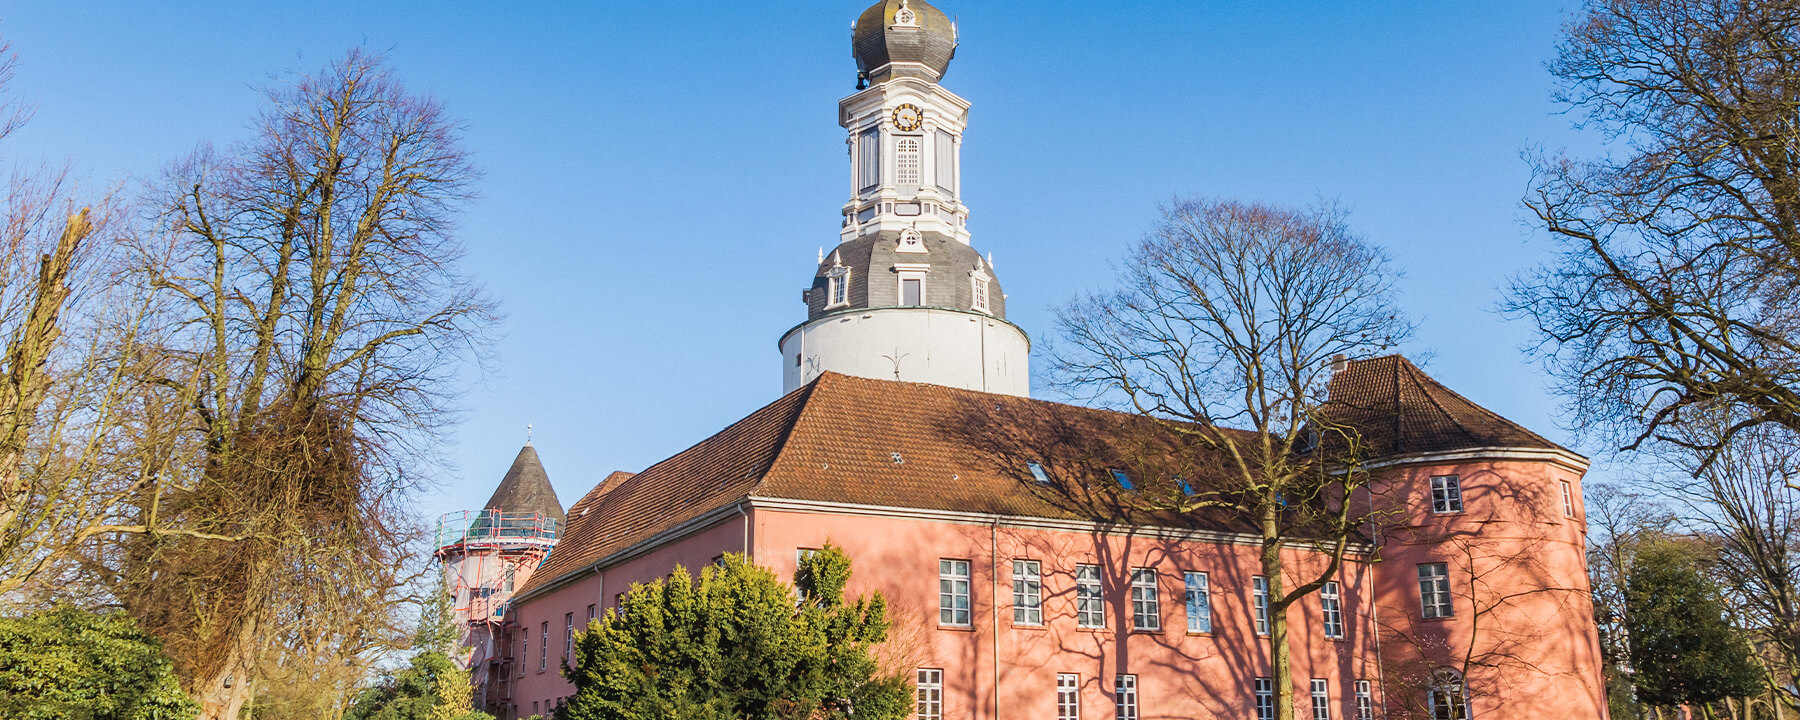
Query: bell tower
(904, 295)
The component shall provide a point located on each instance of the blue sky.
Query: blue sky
(660, 176)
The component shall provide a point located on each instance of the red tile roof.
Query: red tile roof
(854, 440)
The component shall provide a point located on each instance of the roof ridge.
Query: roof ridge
(781, 443)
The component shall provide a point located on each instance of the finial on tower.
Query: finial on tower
(527, 433)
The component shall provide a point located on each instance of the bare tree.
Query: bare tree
(1674, 291)
(312, 326)
(1223, 331)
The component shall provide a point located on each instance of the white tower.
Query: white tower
(904, 296)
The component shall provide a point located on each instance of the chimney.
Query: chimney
(1339, 362)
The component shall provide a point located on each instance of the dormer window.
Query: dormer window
(1122, 479)
(981, 294)
(837, 290)
(904, 17)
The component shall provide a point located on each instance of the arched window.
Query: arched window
(1447, 698)
(906, 160)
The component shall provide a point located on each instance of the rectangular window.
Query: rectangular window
(1321, 700)
(912, 291)
(568, 636)
(1265, 699)
(906, 161)
(544, 647)
(1090, 608)
(1365, 701)
(1259, 589)
(1122, 479)
(980, 302)
(1434, 590)
(524, 651)
(1028, 593)
(1199, 604)
(931, 694)
(946, 162)
(1125, 697)
(1447, 704)
(1037, 473)
(1332, 605)
(800, 556)
(1446, 494)
(1568, 499)
(953, 592)
(837, 283)
(593, 609)
(868, 160)
(1146, 609)
(1068, 696)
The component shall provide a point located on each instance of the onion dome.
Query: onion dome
(902, 38)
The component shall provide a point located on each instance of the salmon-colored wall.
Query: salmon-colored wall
(1523, 625)
(1179, 675)
(547, 685)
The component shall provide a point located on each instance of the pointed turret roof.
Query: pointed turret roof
(526, 488)
(1402, 411)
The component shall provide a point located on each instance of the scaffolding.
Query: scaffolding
(481, 551)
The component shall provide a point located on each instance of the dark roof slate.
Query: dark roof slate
(526, 488)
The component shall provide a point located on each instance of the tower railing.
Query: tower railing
(495, 528)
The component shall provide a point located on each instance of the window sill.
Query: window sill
(1196, 633)
(957, 628)
(1146, 631)
(1445, 618)
(1029, 626)
(1084, 628)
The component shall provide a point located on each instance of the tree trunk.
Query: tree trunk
(224, 693)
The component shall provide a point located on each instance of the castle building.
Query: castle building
(1021, 579)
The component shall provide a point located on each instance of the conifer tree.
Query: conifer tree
(738, 644)
(1683, 648)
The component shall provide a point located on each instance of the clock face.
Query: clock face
(908, 117)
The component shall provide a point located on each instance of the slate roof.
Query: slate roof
(875, 41)
(1402, 411)
(863, 441)
(874, 284)
(526, 488)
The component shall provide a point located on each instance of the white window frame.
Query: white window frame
(837, 286)
(1365, 701)
(900, 288)
(1264, 689)
(978, 289)
(800, 556)
(1068, 696)
(1090, 598)
(1259, 599)
(544, 648)
(1446, 494)
(1125, 697)
(1568, 494)
(1321, 699)
(909, 161)
(568, 637)
(1028, 592)
(930, 694)
(1199, 602)
(1434, 591)
(1447, 698)
(868, 160)
(1038, 473)
(1331, 610)
(1146, 603)
(954, 585)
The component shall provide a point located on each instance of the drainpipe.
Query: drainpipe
(740, 509)
(994, 603)
(1375, 604)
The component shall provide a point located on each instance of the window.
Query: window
(1259, 589)
(1265, 699)
(507, 577)
(1037, 473)
(544, 647)
(953, 592)
(568, 636)
(1122, 479)
(837, 281)
(1568, 499)
(980, 302)
(1187, 488)
(1028, 593)
(1068, 697)
(946, 162)
(1332, 605)
(1199, 604)
(1446, 494)
(1447, 698)
(524, 651)
(912, 291)
(1365, 701)
(1090, 609)
(906, 160)
(1321, 700)
(1146, 611)
(868, 160)
(800, 556)
(593, 610)
(1125, 697)
(931, 694)
(1434, 590)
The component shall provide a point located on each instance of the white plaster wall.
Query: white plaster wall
(934, 345)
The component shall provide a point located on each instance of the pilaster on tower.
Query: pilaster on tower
(904, 129)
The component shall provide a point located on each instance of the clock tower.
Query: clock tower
(904, 295)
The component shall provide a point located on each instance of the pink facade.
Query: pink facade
(1519, 628)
